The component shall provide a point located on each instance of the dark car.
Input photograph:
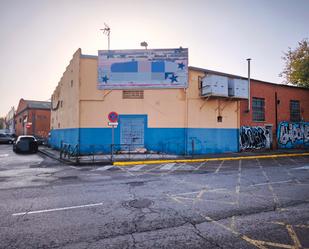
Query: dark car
(41, 140)
(6, 138)
(25, 144)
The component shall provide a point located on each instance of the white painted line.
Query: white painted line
(4, 155)
(168, 166)
(58, 209)
(73, 167)
(105, 168)
(201, 165)
(265, 183)
(137, 167)
(219, 167)
(303, 167)
(186, 167)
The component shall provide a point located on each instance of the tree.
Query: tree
(296, 70)
(2, 123)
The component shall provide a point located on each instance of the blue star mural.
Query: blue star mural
(174, 78)
(181, 65)
(105, 79)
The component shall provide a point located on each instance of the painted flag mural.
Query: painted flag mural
(152, 68)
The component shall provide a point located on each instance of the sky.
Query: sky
(39, 37)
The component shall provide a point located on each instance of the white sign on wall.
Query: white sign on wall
(141, 68)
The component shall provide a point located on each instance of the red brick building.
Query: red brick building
(277, 111)
(33, 118)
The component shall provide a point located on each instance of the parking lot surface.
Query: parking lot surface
(257, 203)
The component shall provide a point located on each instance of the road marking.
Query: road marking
(266, 183)
(201, 165)
(126, 163)
(233, 223)
(293, 236)
(58, 209)
(303, 167)
(237, 189)
(137, 167)
(168, 166)
(74, 167)
(104, 168)
(270, 187)
(4, 155)
(219, 167)
(287, 171)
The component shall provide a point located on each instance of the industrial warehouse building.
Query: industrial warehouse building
(183, 110)
(33, 118)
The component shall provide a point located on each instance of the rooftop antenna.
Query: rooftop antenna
(107, 31)
(144, 44)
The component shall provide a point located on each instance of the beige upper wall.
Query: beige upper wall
(67, 95)
(203, 112)
(86, 106)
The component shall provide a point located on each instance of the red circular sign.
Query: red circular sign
(113, 116)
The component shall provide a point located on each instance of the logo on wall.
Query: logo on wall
(153, 68)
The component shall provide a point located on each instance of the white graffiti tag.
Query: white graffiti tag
(293, 132)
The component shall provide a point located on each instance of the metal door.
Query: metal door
(132, 133)
(269, 133)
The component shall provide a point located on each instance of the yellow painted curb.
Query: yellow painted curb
(207, 159)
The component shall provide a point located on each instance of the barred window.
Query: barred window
(132, 94)
(295, 111)
(258, 109)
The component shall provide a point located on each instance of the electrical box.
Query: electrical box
(214, 85)
(238, 88)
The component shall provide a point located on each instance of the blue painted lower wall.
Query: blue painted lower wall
(57, 136)
(167, 140)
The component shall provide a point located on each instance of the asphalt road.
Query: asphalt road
(225, 204)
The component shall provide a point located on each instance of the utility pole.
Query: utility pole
(249, 97)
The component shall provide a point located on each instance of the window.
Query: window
(132, 94)
(200, 81)
(71, 83)
(258, 109)
(295, 111)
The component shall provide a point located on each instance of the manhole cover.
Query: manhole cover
(135, 184)
(139, 203)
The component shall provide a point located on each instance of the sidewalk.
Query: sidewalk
(132, 159)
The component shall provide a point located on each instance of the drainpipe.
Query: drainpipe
(276, 117)
(249, 97)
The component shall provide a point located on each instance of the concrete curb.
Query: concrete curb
(208, 159)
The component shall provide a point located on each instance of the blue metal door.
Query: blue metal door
(132, 133)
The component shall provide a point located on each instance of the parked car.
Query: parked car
(25, 144)
(41, 140)
(6, 138)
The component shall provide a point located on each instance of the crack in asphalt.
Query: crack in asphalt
(185, 221)
(199, 233)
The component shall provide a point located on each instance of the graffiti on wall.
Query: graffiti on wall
(254, 137)
(293, 135)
